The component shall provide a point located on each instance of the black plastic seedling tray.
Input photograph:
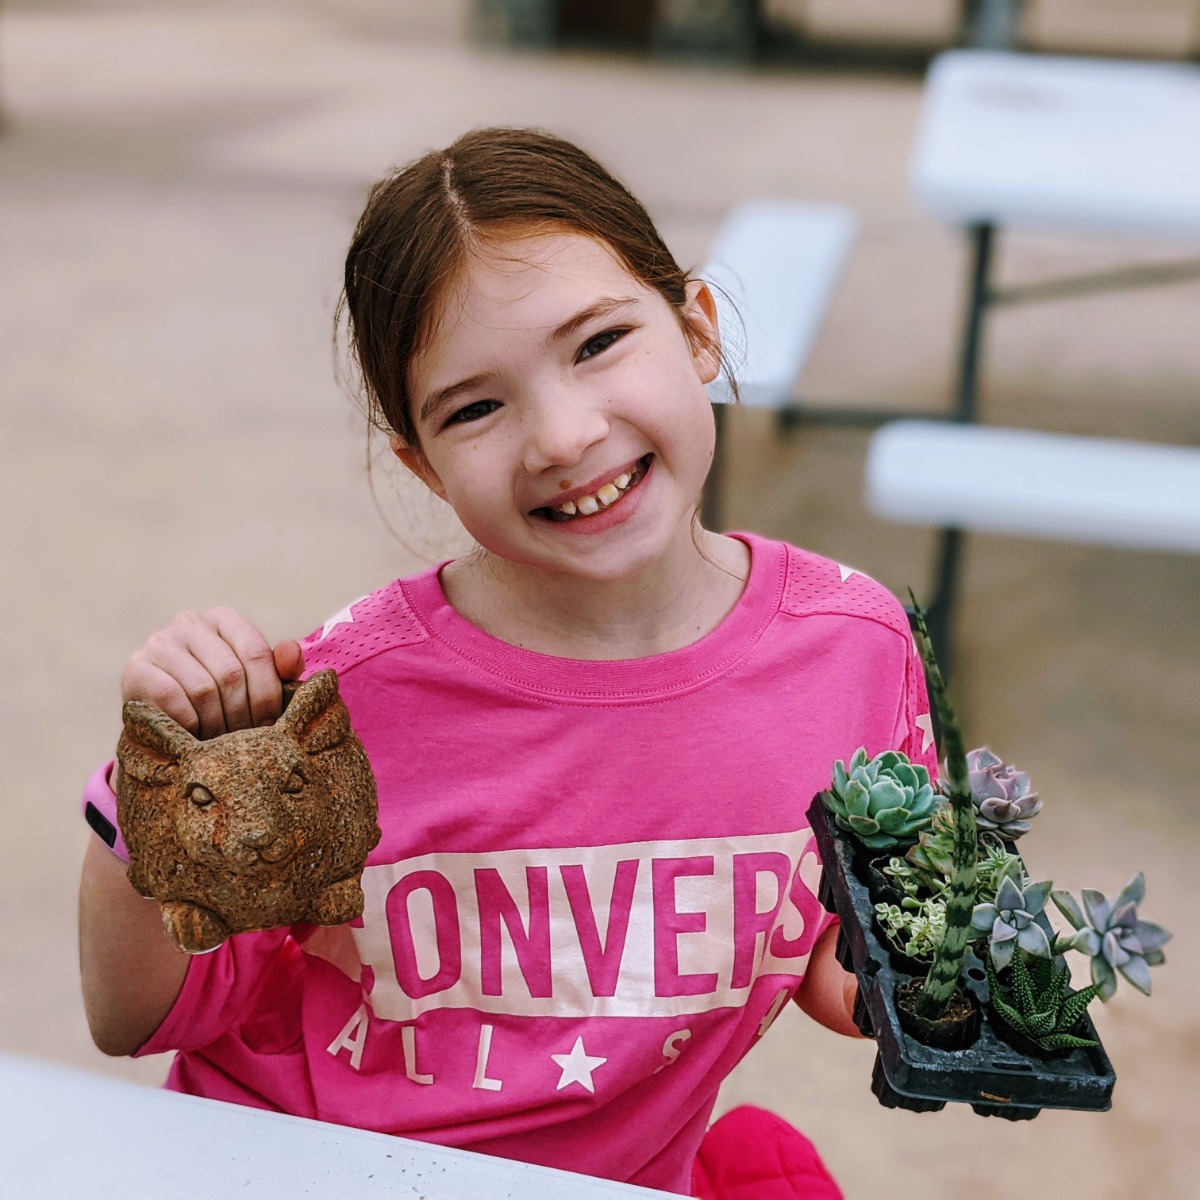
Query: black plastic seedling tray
(991, 1076)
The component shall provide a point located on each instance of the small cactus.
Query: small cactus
(884, 802)
(1004, 799)
(1113, 937)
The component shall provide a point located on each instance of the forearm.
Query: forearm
(131, 974)
(827, 992)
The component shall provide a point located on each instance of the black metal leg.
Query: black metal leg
(982, 238)
(712, 496)
(950, 541)
(941, 607)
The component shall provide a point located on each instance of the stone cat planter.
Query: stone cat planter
(253, 829)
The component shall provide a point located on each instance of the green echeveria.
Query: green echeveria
(1113, 937)
(885, 802)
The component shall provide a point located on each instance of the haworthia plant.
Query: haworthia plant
(960, 890)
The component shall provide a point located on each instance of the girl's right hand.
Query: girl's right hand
(212, 672)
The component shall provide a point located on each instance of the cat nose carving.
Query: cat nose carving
(258, 838)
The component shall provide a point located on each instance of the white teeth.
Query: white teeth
(568, 508)
(607, 494)
(622, 480)
(588, 505)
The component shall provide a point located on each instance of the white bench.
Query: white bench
(1043, 485)
(774, 266)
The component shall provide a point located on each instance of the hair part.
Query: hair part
(423, 223)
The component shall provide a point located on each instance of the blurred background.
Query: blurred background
(178, 183)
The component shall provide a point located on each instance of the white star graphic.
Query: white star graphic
(772, 1012)
(342, 617)
(925, 724)
(577, 1067)
(846, 572)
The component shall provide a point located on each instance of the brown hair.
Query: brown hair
(422, 222)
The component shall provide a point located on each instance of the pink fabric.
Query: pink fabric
(99, 794)
(595, 888)
(751, 1154)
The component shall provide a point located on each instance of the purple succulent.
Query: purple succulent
(1012, 920)
(1005, 801)
(1113, 936)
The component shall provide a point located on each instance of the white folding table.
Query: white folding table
(1010, 140)
(68, 1133)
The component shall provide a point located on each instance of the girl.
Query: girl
(595, 737)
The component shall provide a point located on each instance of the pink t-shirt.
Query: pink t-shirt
(596, 884)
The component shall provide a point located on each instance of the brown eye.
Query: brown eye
(295, 784)
(200, 796)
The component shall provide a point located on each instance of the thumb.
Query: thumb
(289, 660)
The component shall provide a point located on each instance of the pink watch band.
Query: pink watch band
(100, 811)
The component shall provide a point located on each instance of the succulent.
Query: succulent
(1004, 798)
(1012, 920)
(1039, 1005)
(996, 863)
(931, 858)
(884, 802)
(925, 868)
(942, 981)
(1111, 934)
(917, 930)
(911, 881)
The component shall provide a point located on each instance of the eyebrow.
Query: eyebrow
(602, 308)
(571, 326)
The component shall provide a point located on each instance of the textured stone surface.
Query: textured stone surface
(252, 829)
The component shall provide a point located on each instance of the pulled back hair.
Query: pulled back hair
(422, 222)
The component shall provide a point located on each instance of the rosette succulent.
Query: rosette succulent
(1004, 798)
(1012, 920)
(883, 802)
(1111, 934)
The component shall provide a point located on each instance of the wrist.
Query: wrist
(100, 811)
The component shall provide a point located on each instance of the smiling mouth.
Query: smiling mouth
(604, 497)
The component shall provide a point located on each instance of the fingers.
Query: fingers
(289, 660)
(212, 672)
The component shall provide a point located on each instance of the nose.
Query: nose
(257, 837)
(559, 430)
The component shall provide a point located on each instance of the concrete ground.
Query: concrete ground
(177, 186)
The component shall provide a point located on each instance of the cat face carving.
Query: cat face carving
(253, 829)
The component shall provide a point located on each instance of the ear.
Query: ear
(153, 744)
(704, 334)
(416, 462)
(316, 716)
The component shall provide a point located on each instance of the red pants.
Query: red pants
(751, 1154)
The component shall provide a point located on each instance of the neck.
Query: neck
(662, 608)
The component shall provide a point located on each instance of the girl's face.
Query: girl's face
(561, 409)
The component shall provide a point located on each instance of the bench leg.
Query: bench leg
(939, 616)
(950, 541)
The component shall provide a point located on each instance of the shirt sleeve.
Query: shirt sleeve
(217, 990)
